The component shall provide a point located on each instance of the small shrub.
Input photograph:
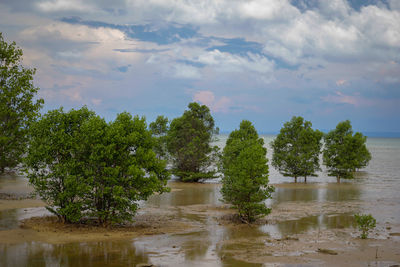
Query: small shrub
(365, 223)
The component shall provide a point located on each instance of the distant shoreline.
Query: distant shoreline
(368, 134)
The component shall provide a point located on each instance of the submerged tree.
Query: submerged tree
(189, 144)
(245, 169)
(344, 152)
(17, 105)
(82, 166)
(296, 149)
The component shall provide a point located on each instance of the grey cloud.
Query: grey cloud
(19, 6)
(138, 50)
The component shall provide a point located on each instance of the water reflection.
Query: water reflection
(117, 253)
(14, 184)
(343, 192)
(305, 224)
(295, 194)
(316, 192)
(9, 219)
(184, 194)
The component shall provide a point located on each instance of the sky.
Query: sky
(260, 60)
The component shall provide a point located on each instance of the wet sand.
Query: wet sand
(49, 230)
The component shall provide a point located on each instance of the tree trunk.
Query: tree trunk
(295, 179)
(305, 179)
(338, 179)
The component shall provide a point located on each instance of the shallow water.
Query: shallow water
(16, 184)
(374, 190)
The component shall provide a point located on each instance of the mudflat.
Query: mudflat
(241, 243)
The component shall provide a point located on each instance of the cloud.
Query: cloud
(64, 5)
(263, 56)
(223, 104)
(185, 71)
(96, 101)
(73, 94)
(341, 98)
(226, 62)
(394, 4)
(341, 82)
(266, 9)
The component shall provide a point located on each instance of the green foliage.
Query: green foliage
(56, 161)
(189, 144)
(365, 223)
(245, 169)
(159, 128)
(296, 149)
(17, 106)
(82, 166)
(344, 152)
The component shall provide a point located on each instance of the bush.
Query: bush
(365, 223)
(81, 165)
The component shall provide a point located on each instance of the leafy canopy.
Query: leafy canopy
(82, 166)
(245, 169)
(296, 149)
(189, 144)
(344, 152)
(17, 105)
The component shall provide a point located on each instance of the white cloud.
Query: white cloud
(185, 71)
(64, 5)
(341, 82)
(332, 30)
(378, 26)
(334, 8)
(76, 33)
(265, 9)
(226, 62)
